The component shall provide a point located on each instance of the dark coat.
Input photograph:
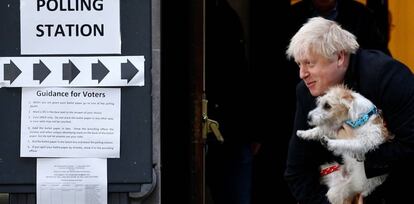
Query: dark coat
(390, 86)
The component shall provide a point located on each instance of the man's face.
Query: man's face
(320, 73)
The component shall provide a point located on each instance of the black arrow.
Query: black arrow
(40, 71)
(99, 71)
(128, 71)
(70, 71)
(11, 72)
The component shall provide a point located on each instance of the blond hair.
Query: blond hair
(322, 37)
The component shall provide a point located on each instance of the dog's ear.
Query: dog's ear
(346, 97)
(359, 105)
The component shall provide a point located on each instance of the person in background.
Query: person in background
(269, 70)
(353, 16)
(228, 164)
(327, 55)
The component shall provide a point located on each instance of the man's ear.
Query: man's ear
(341, 58)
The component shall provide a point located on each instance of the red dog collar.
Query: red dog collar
(329, 170)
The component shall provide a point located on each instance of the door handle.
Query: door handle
(210, 126)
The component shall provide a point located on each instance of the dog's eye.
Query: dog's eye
(326, 106)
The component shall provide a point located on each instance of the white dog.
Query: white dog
(350, 126)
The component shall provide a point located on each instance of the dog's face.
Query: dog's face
(332, 108)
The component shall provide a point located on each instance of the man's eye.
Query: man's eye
(326, 106)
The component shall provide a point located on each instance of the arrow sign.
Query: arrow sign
(70, 71)
(11, 72)
(99, 71)
(73, 71)
(40, 71)
(128, 71)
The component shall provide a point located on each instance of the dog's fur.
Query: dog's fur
(333, 109)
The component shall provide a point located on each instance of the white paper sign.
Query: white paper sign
(71, 181)
(72, 71)
(70, 27)
(70, 122)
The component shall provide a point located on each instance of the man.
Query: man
(328, 55)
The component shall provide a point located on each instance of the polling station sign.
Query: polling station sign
(52, 27)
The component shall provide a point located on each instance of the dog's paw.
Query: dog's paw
(331, 144)
(301, 133)
(306, 134)
(310, 134)
(335, 146)
(324, 141)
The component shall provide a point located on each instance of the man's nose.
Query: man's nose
(303, 72)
